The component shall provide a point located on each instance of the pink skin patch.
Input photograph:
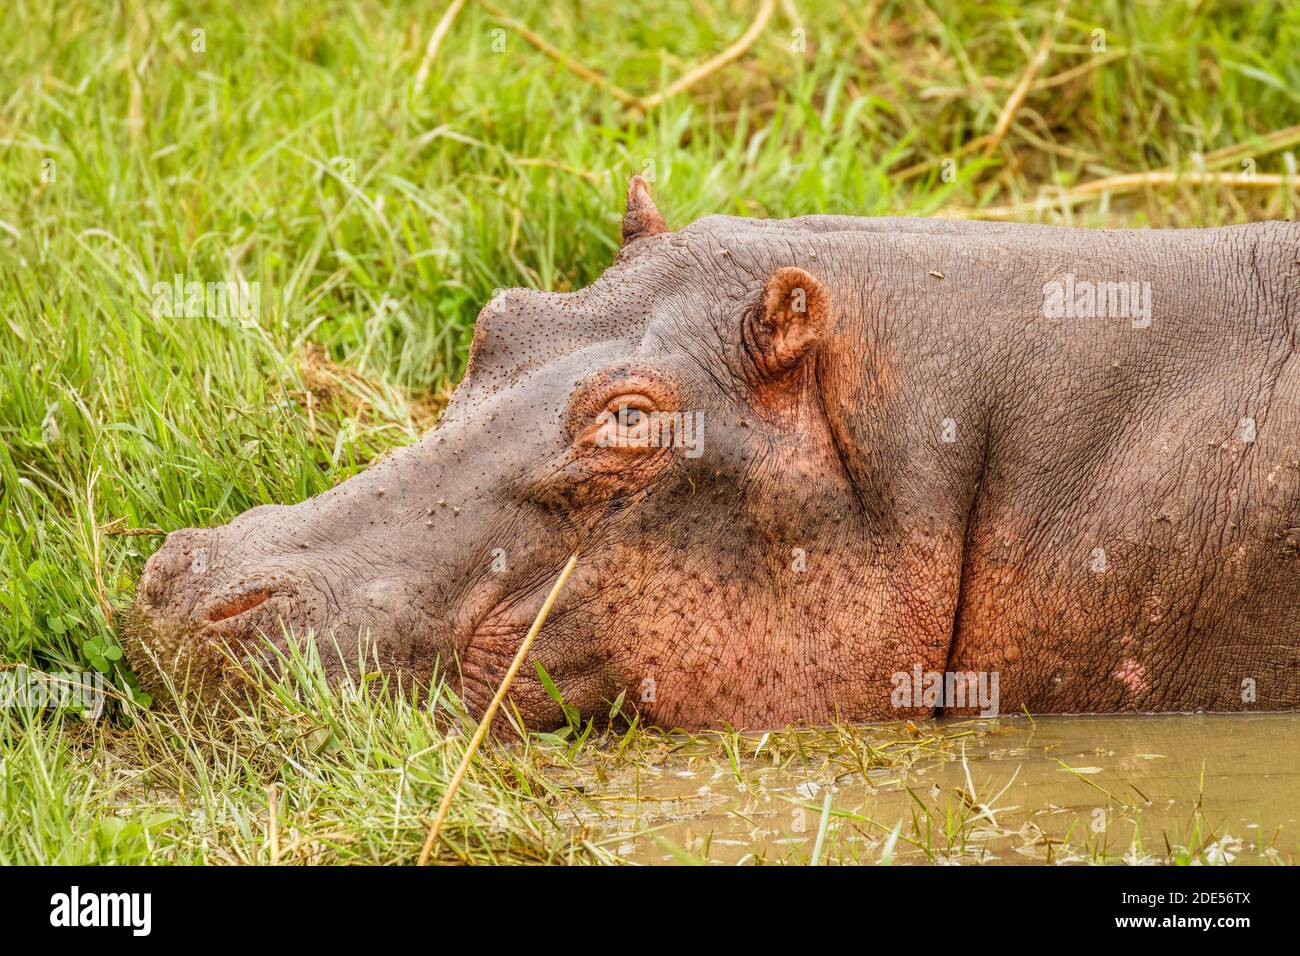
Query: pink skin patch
(1132, 675)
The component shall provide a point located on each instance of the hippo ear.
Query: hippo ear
(642, 217)
(793, 314)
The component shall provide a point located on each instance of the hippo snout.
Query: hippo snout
(184, 579)
(194, 608)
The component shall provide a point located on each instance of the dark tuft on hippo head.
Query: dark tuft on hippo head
(669, 423)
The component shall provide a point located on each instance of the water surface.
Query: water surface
(1148, 789)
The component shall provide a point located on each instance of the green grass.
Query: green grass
(346, 776)
(293, 151)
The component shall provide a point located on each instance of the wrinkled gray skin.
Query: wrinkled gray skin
(936, 475)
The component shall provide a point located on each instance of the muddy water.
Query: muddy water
(1209, 789)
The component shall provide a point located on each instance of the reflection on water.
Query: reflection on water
(1196, 788)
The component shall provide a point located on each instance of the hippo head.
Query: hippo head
(676, 424)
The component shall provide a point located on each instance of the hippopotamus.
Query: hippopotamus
(807, 466)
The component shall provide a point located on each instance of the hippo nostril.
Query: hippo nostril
(240, 605)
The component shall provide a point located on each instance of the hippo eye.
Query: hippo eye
(627, 423)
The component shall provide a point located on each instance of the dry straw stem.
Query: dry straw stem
(647, 103)
(112, 530)
(273, 821)
(1036, 63)
(729, 55)
(435, 41)
(101, 592)
(1277, 140)
(1096, 62)
(918, 168)
(486, 722)
(562, 58)
(1122, 184)
(591, 177)
(1271, 143)
(989, 141)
